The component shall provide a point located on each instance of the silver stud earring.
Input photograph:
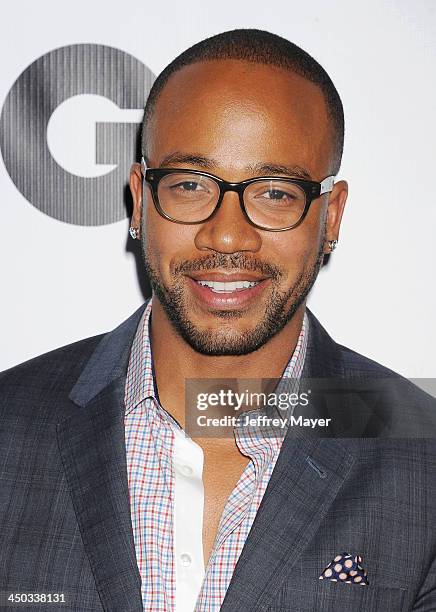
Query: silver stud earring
(134, 232)
(333, 244)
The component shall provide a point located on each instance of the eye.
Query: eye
(280, 195)
(187, 186)
(277, 194)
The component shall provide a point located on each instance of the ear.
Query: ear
(335, 209)
(136, 191)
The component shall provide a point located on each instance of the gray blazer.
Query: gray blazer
(65, 524)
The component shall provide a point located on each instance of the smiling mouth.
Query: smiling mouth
(227, 287)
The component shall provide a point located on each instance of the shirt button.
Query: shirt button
(186, 470)
(186, 560)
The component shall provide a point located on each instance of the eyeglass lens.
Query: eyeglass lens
(272, 204)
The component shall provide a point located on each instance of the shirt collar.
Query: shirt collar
(141, 380)
(295, 364)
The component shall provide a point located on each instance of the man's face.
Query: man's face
(236, 120)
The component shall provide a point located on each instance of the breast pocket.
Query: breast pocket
(328, 596)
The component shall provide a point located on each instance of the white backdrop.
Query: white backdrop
(61, 282)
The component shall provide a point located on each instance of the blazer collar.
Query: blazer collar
(323, 355)
(109, 360)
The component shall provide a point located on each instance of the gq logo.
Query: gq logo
(44, 143)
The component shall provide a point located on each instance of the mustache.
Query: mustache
(237, 261)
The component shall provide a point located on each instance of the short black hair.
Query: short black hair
(262, 47)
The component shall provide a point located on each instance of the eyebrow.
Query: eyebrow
(266, 169)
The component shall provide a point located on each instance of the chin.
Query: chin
(226, 338)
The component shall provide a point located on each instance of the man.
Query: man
(104, 499)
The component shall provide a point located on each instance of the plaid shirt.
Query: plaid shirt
(151, 437)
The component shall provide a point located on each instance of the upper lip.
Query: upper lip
(222, 277)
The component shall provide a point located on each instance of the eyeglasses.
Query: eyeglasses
(269, 203)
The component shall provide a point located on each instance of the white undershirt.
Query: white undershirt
(188, 520)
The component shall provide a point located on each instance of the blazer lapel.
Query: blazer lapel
(92, 447)
(306, 479)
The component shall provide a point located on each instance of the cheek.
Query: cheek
(311, 232)
(294, 250)
(167, 243)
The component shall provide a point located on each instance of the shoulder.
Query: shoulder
(348, 363)
(359, 365)
(399, 408)
(362, 367)
(42, 388)
(51, 374)
(382, 401)
(62, 366)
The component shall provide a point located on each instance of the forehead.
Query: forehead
(237, 112)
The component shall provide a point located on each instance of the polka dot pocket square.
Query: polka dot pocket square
(345, 568)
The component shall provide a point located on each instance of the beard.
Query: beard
(281, 304)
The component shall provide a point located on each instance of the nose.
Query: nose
(228, 231)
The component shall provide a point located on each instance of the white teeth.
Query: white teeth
(219, 287)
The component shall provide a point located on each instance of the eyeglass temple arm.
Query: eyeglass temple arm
(327, 184)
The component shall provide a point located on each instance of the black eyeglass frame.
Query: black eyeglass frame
(312, 191)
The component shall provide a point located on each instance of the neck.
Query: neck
(175, 360)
